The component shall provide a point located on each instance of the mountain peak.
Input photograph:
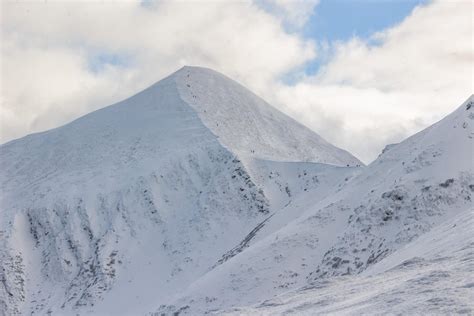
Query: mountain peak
(188, 69)
(242, 121)
(248, 125)
(195, 68)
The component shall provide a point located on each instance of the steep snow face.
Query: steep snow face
(134, 200)
(248, 125)
(412, 187)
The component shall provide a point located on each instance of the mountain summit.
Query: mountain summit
(246, 124)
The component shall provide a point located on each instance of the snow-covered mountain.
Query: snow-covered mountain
(195, 196)
(119, 210)
(403, 218)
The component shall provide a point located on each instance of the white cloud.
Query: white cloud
(365, 97)
(368, 96)
(47, 46)
(293, 13)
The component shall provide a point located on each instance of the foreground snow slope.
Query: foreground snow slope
(431, 275)
(412, 187)
(139, 199)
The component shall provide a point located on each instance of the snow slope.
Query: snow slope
(122, 208)
(411, 188)
(431, 275)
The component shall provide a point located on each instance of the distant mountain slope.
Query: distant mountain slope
(140, 198)
(412, 187)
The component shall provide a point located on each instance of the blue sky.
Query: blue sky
(98, 61)
(342, 19)
(339, 20)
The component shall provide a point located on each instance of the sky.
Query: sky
(361, 73)
(340, 20)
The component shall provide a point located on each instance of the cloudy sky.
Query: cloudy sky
(361, 73)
